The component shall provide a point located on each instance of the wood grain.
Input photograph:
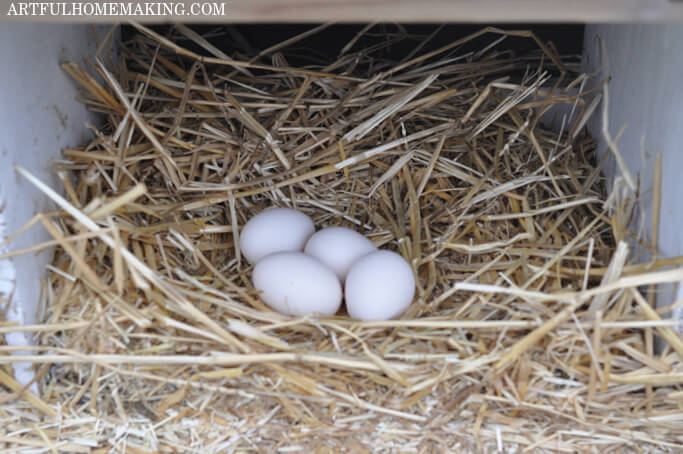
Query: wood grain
(464, 11)
(456, 11)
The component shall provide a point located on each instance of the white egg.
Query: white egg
(275, 230)
(379, 286)
(338, 248)
(294, 283)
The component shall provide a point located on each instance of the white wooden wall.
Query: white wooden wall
(38, 116)
(646, 96)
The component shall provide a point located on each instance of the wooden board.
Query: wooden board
(491, 11)
(457, 11)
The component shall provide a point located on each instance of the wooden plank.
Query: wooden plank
(472, 11)
(456, 11)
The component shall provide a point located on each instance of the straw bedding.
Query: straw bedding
(533, 327)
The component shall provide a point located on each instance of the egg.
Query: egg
(294, 283)
(379, 286)
(275, 230)
(338, 248)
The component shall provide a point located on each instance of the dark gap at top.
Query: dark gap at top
(244, 41)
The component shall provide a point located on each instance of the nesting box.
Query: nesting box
(533, 188)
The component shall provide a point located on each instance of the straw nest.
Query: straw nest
(532, 329)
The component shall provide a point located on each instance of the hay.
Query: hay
(529, 332)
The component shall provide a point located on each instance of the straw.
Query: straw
(529, 331)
